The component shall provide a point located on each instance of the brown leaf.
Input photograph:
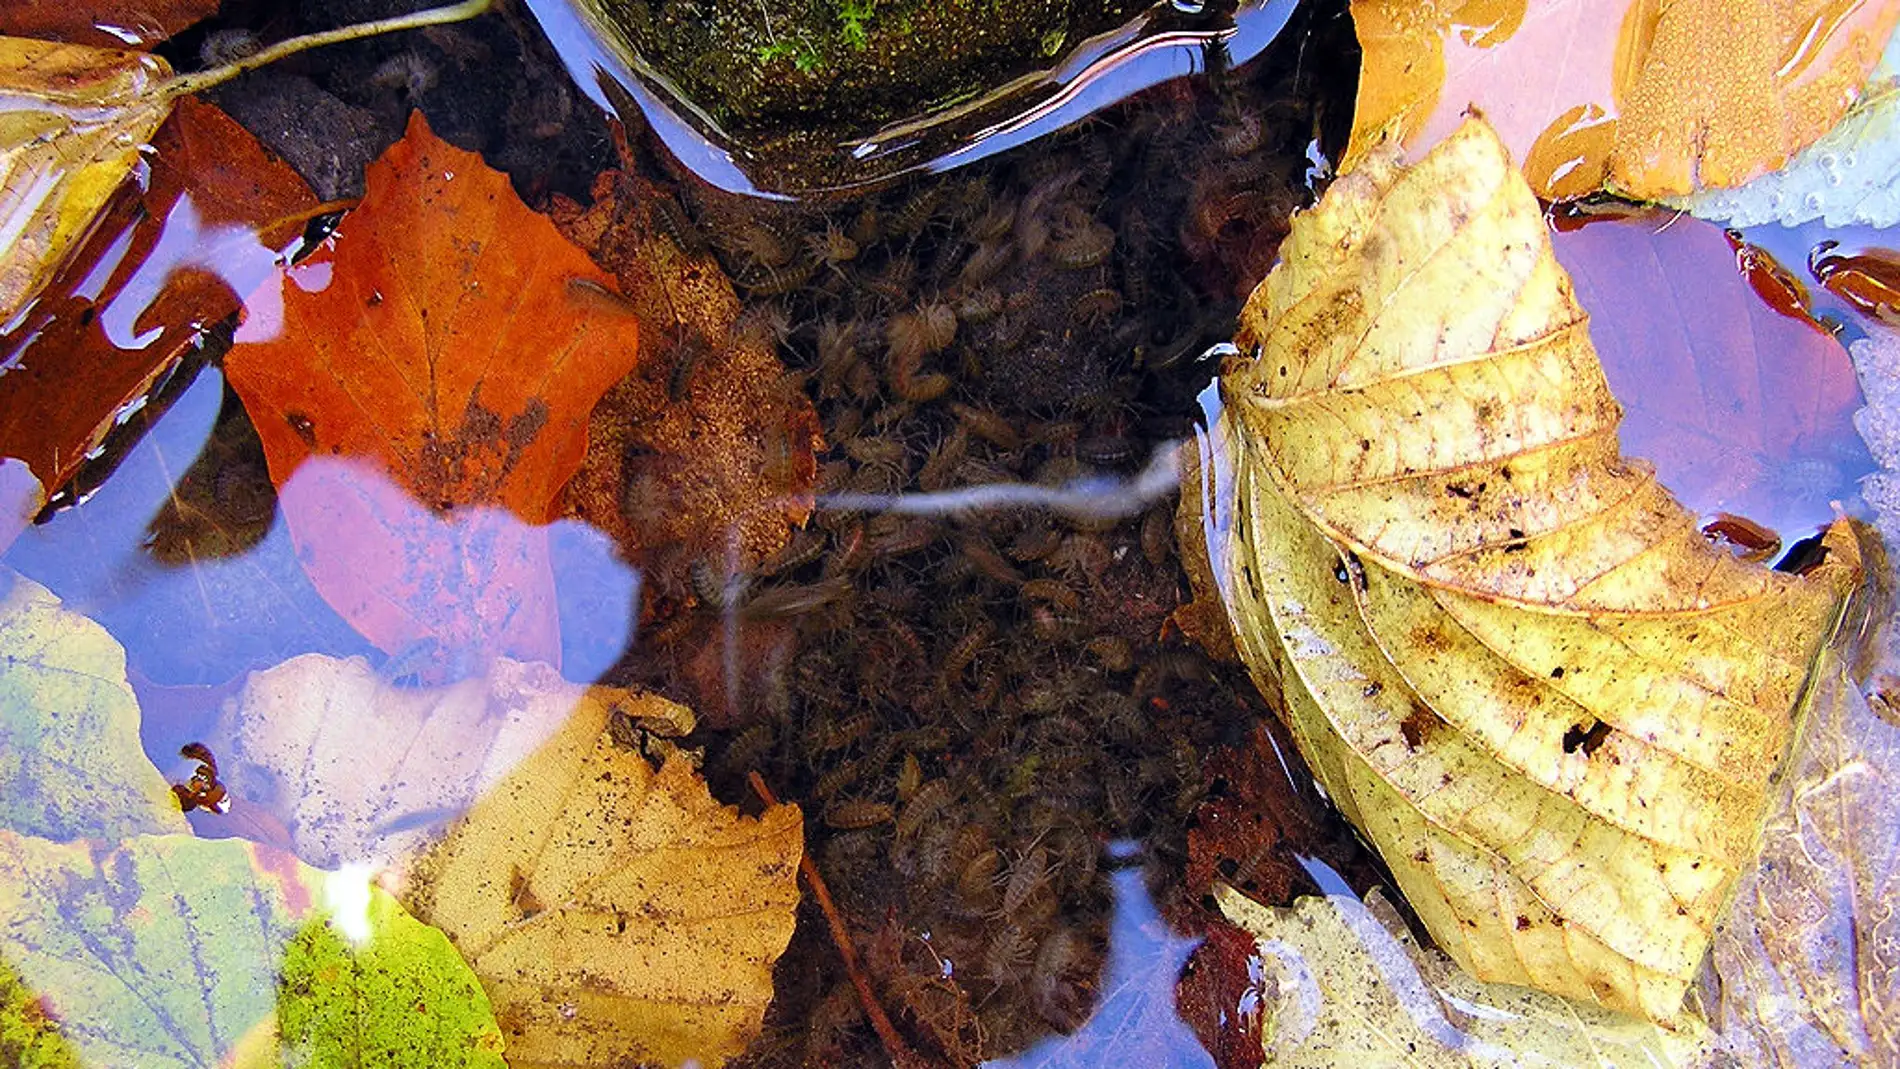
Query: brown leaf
(454, 344)
(615, 913)
(160, 266)
(103, 23)
(1645, 98)
(711, 451)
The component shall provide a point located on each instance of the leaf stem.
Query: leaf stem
(435, 16)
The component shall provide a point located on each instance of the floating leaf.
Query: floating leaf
(401, 996)
(1507, 653)
(74, 121)
(1741, 408)
(20, 498)
(103, 23)
(1649, 100)
(709, 445)
(448, 347)
(160, 267)
(1851, 175)
(615, 913)
(358, 768)
(28, 1037)
(160, 952)
(70, 762)
(1343, 985)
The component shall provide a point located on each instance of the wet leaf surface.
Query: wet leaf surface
(70, 763)
(1342, 984)
(1742, 409)
(385, 990)
(185, 987)
(1644, 99)
(160, 266)
(358, 768)
(1851, 175)
(439, 341)
(710, 451)
(103, 23)
(613, 910)
(1512, 659)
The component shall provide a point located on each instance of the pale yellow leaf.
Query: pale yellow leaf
(615, 913)
(1345, 986)
(1508, 654)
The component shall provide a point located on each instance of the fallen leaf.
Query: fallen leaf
(448, 347)
(615, 913)
(1343, 985)
(159, 268)
(75, 120)
(1645, 99)
(167, 951)
(70, 762)
(1850, 176)
(181, 987)
(1508, 654)
(1877, 362)
(710, 452)
(1741, 409)
(389, 991)
(103, 23)
(359, 769)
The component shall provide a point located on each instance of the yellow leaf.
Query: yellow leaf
(615, 914)
(1348, 987)
(71, 126)
(1643, 97)
(1507, 652)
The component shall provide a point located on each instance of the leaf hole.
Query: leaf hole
(1587, 736)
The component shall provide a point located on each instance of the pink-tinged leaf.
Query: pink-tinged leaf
(1743, 410)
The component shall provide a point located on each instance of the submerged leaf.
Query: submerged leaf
(393, 992)
(613, 912)
(360, 769)
(161, 952)
(1343, 986)
(70, 762)
(1508, 654)
(1644, 98)
(162, 266)
(442, 340)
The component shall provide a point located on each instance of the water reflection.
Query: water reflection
(1134, 1021)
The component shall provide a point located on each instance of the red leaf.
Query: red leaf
(160, 266)
(103, 23)
(457, 345)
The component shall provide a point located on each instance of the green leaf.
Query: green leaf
(1851, 175)
(28, 1038)
(405, 997)
(70, 762)
(161, 952)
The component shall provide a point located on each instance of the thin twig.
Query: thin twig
(901, 1054)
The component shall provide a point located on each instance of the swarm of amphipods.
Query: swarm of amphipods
(972, 703)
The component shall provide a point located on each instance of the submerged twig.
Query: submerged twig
(901, 1054)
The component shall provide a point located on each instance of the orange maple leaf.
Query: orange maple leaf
(449, 345)
(448, 342)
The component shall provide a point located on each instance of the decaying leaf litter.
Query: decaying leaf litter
(1058, 365)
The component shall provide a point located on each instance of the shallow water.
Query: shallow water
(977, 614)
